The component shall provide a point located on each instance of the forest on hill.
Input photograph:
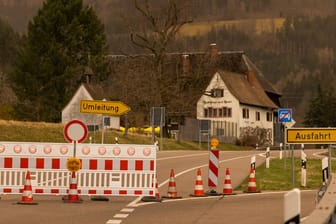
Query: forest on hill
(297, 56)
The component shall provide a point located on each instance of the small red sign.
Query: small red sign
(75, 130)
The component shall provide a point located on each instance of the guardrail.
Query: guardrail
(325, 211)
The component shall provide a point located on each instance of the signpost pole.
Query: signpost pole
(162, 123)
(285, 147)
(329, 160)
(103, 129)
(293, 166)
(74, 151)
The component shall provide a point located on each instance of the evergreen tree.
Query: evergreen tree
(322, 109)
(62, 40)
(9, 41)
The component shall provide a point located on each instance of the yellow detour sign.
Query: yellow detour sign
(310, 135)
(214, 142)
(113, 108)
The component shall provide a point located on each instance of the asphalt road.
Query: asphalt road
(265, 207)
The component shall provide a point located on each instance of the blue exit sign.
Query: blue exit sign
(285, 115)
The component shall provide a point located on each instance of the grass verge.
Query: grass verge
(279, 175)
(51, 132)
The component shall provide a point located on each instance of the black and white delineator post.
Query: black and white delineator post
(292, 207)
(325, 170)
(253, 162)
(280, 148)
(268, 155)
(303, 167)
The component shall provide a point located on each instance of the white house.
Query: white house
(88, 92)
(240, 105)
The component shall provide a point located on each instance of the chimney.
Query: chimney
(250, 77)
(88, 73)
(185, 63)
(213, 50)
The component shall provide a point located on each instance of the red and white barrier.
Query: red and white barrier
(108, 169)
(213, 168)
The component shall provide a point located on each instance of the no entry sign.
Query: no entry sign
(75, 130)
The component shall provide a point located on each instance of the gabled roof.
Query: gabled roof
(96, 91)
(266, 85)
(244, 91)
(181, 89)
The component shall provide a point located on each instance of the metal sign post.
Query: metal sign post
(204, 129)
(158, 119)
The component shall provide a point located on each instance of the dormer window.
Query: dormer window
(217, 93)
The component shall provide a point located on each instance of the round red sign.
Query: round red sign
(75, 130)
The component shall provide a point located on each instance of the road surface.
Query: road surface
(265, 207)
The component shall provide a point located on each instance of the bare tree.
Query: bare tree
(159, 31)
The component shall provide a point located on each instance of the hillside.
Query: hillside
(296, 61)
(113, 12)
(257, 26)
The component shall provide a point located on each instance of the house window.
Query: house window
(229, 112)
(257, 116)
(220, 112)
(210, 111)
(217, 112)
(217, 93)
(206, 112)
(246, 113)
(214, 112)
(225, 111)
(269, 116)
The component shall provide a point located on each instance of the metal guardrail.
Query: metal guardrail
(325, 211)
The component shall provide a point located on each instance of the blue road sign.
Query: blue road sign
(285, 115)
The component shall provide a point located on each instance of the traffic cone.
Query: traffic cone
(227, 190)
(172, 193)
(157, 194)
(73, 192)
(199, 190)
(27, 194)
(155, 198)
(252, 186)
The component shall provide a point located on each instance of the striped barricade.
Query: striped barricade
(106, 169)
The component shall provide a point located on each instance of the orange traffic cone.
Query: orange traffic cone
(199, 190)
(27, 194)
(155, 198)
(172, 193)
(157, 194)
(252, 186)
(73, 192)
(227, 190)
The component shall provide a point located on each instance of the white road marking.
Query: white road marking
(129, 210)
(134, 202)
(113, 221)
(184, 156)
(120, 216)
